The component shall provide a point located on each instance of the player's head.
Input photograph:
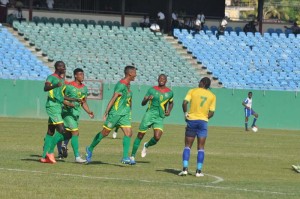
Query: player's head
(60, 67)
(204, 83)
(162, 80)
(130, 72)
(78, 74)
(250, 94)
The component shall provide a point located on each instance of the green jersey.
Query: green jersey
(75, 91)
(56, 95)
(161, 97)
(122, 104)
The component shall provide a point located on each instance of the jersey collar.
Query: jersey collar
(73, 83)
(56, 75)
(165, 90)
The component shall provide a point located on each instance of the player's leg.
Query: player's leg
(190, 134)
(144, 125)
(47, 140)
(247, 114)
(137, 142)
(126, 144)
(201, 135)
(255, 117)
(75, 146)
(115, 133)
(153, 141)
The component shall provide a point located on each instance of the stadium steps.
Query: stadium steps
(189, 58)
(31, 48)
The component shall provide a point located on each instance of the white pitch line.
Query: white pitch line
(149, 181)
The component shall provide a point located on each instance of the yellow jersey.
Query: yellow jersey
(201, 102)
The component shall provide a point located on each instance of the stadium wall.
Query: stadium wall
(276, 109)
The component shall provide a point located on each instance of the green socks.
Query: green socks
(136, 145)
(75, 145)
(126, 145)
(56, 138)
(47, 144)
(96, 141)
(151, 142)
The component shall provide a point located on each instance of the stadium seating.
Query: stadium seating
(103, 52)
(17, 62)
(247, 60)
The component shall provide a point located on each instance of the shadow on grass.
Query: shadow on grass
(171, 171)
(106, 163)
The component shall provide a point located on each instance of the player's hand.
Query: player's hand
(167, 113)
(71, 105)
(186, 115)
(150, 97)
(91, 114)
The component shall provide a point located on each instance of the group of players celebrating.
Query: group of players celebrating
(72, 96)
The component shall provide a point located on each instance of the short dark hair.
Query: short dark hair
(77, 70)
(128, 68)
(58, 63)
(249, 92)
(206, 82)
(162, 75)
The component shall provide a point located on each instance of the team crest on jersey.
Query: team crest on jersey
(78, 94)
(166, 95)
(161, 97)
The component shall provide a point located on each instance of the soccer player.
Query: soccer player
(160, 100)
(203, 103)
(71, 111)
(117, 113)
(247, 103)
(55, 86)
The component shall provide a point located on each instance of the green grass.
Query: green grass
(251, 165)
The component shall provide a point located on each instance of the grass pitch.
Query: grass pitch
(237, 165)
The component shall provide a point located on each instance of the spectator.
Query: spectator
(155, 27)
(18, 14)
(50, 4)
(189, 23)
(222, 27)
(294, 28)
(3, 10)
(161, 21)
(19, 4)
(145, 23)
(201, 17)
(250, 27)
(197, 26)
(175, 22)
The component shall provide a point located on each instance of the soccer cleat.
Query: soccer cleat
(60, 156)
(144, 151)
(125, 161)
(44, 160)
(199, 174)
(50, 157)
(296, 168)
(64, 151)
(114, 135)
(132, 160)
(80, 160)
(88, 155)
(183, 173)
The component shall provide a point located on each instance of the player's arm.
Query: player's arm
(48, 86)
(210, 114)
(212, 108)
(170, 107)
(146, 99)
(184, 108)
(110, 104)
(67, 103)
(85, 107)
(244, 104)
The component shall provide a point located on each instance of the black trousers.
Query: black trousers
(3, 14)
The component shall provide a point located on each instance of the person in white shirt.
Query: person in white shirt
(18, 14)
(145, 22)
(175, 22)
(247, 103)
(202, 20)
(161, 21)
(50, 4)
(3, 10)
(222, 27)
(155, 27)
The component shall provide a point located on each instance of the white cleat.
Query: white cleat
(144, 151)
(80, 160)
(114, 135)
(199, 174)
(183, 173)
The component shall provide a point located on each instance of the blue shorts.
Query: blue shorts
(196, 128)
(249, 112)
